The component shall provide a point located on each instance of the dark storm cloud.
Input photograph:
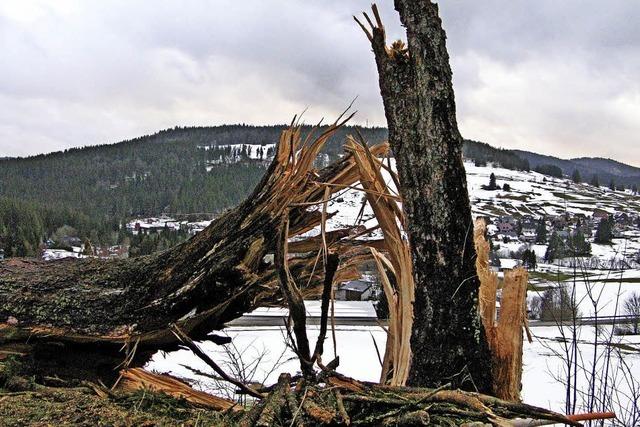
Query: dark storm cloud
(558, 77)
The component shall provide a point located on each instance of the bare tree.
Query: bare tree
(632, 308)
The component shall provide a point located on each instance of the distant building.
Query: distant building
(354, 290)
(559, 222)
(507, 264)
(70, 241)
(528, 229)
(118, 251)
(507, 225)
(599, 214)
(623, 219)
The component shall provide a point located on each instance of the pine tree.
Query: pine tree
(492, 182)
(576, 176)
(541, 231)
(595, 181)
(578, 245)
(604, 232)
(555, 248)
(612, 185)
(529, 260)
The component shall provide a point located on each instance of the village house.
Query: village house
(117, 251)
(586, 228)
(559, 222)
(599, 214)
(623, 219)
(507, 225)
(354, 290)
(528, 227)
(152, 225)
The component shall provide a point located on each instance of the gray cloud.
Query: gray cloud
(556, 77)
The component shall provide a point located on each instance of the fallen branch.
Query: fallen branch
(206, 359)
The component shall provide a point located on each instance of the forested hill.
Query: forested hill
(606, 171)
(176, 171)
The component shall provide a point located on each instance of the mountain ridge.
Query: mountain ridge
(183, 170)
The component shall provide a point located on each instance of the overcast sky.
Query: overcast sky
(556, 77)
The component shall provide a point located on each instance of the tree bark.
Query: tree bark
(216, 276)
(448, 341)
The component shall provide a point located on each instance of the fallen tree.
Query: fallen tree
(94, 307)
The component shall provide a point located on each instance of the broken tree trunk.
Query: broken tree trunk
(505, 336)
(448, 341)
(99, 305)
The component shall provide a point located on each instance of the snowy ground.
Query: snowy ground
(543, 364)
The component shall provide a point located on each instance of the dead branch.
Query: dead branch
(206, 359)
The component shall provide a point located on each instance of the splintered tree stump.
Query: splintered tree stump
(447, 342)
(216, 276)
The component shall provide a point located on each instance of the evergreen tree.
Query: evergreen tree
(634, 189)
(612, 185)
(604, 232)
(541, 231)
(595, 181)
(506, 187)
(492, 181)
(576, 176)
(529, 260)
(578, 245)
(88, 248)
(555, 248)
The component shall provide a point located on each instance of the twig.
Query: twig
(293, 296)
(295, 415)
(184, 338)
(331, 266)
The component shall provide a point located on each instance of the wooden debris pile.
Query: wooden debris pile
(337, 400)
(140, 379)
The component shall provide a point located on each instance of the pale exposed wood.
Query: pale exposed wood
(505, 337)
(140, 379)
(507, 350)
(488, 278)
(400, 294)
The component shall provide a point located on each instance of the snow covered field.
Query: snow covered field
(542, 361)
